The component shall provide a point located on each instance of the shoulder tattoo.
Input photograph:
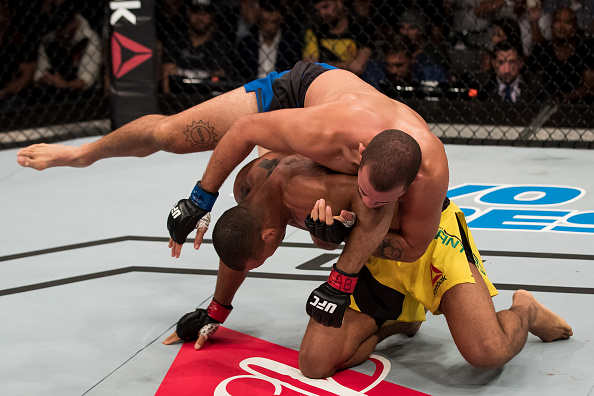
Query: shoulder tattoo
(269, 165)
(389, 249)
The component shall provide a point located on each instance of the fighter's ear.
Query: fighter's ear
(361, 148)
(269, 234)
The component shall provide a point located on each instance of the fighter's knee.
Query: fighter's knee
(315, 365)
(487, 354)
(165, 135)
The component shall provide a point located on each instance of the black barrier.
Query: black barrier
(518, 73)
(133, 70)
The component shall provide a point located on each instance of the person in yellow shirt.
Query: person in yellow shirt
(337, 38)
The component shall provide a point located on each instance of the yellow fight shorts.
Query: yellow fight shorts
(395, 290)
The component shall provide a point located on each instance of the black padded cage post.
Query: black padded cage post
(133, 68)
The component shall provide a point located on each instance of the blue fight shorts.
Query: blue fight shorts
(286, 89)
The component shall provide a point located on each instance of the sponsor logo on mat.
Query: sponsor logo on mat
(234, 363)
(524, 208)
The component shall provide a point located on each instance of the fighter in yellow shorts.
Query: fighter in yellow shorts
(390, 297)
(396, 290)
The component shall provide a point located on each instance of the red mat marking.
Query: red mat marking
(234, 363)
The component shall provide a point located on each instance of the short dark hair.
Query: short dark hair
(393, 158)
(398, 45)
(236, 237)
(505, 46)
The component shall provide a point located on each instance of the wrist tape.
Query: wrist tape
(218, 311)
(204, 199)
(342, 281)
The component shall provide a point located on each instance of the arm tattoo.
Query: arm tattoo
(389, 249)
(201, 135)
(269, 165)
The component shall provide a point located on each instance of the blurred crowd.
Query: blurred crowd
(512, 51)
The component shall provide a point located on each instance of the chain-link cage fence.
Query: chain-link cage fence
(51, 75)
(479, 71)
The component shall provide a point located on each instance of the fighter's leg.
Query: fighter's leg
(198, 128)
(327, 349)
(486, 338)
(367, 347)
(396, 327)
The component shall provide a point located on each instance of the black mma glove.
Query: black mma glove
(190, 213)
(202, 321)
(327, 304)
(334, 233)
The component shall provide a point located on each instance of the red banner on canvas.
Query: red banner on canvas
(236, 364)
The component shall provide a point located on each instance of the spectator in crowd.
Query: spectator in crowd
(429, 62)
(18, 54)
(398, 64)
(535, 24)
(249, 11)
(70, 54)
(508, 82)
(269, 46)
(377, 17)
(396, 79)
(170, 20)
(237, 17)
(202, 56)
(503, 29)
(337, 38)
(471, 18)
(584, 10)
(562, 62)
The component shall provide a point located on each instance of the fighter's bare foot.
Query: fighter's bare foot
(546, 325)
(42, 156)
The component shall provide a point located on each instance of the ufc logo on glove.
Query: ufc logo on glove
(327, 303)
(175, 212)
(324, 305)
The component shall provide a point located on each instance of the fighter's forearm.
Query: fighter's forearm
(233, 148)
(136, 138)
(228, 282)
(366, 235)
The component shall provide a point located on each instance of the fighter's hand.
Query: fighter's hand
(200, 324)
(322, 225)
(175, 248)
(202, 227)
(328, 303)
(188, 214)
(174, 339)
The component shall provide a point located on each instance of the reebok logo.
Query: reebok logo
(324, 305)
(437, 278)
(121, 67)
(435, 274)
(122, 10)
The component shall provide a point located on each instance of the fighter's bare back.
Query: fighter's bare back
(303, 182)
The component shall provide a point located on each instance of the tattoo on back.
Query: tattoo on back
(269, 165)
(201, 135)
